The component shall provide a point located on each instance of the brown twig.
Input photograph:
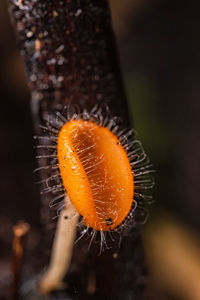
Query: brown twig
(70, 55)
(19, 231)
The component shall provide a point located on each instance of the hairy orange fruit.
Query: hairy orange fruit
(96, 173)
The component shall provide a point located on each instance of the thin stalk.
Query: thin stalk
(62, 251)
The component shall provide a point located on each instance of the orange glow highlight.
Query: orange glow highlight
(96, 174)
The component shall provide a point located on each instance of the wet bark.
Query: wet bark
(70, 56)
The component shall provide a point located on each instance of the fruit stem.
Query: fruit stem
(61, 252)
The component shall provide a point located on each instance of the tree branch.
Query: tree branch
(70, 57)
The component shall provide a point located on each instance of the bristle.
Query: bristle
(139, 162)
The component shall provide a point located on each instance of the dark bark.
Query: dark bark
(70, 57)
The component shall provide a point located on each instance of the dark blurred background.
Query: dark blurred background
(159, 49)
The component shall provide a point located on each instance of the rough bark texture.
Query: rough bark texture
(70, 57)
